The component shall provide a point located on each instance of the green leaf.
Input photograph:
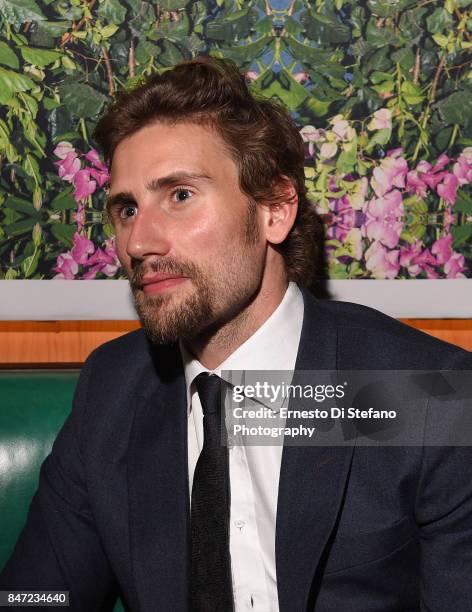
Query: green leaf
(109, 30)
(239, 53)
(385, 87)
(8, 56)
(23, 206)
(173, 5)
(232, 26)
(411, 93)
(439, 21)
(80, 34)
(324, 29)
(31, 167)
(456, 108)
(378, 77)
(63, 233)
(381, 137)
(172, 54)
(30, 264)
(64, 201)
(24, 226)
(11, 83)
(31, 104)
(441, 40)
(379, 37)
(112, 11)
(305, 53)
(50, 103)
(39, 57)
(388, 8)
(338, 270)
(463, 203)
(82, 100)
(18, 12)
(461, 235)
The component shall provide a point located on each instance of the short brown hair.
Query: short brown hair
(260, 136)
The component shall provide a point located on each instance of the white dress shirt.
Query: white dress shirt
(254, 470)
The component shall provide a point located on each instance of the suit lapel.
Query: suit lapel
(312, 478)
(158, 487)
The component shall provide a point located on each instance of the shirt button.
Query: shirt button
(239, 524)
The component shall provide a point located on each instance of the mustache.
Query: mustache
(169, 266)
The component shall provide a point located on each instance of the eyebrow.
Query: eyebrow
(126, 197)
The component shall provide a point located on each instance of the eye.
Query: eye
(127, 211)
(180, 190)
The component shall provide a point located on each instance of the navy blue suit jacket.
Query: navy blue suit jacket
(358, 529)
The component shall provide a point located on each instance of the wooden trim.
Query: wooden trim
(67, 344)
(455, 331)
(56, 342)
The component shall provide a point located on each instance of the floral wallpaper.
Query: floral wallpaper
(381, 91)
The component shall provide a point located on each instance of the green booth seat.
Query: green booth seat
(33, 406)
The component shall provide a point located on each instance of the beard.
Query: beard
(165, 321)
(167, 318)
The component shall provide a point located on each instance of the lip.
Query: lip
(161, 282)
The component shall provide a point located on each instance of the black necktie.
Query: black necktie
(211, 563)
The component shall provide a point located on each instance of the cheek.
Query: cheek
(120, 247)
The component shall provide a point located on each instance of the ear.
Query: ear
(279, 215)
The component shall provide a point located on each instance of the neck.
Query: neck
(212, 350)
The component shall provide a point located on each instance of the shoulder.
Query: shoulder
(123, 348)
(374, 336)
(129, 356)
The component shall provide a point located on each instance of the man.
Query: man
(221, 281)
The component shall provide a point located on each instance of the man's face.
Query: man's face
(200, 233)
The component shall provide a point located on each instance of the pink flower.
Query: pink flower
(103, 262)
(100, 176)
(454, 263)
(343, 219)
(415, 184)
(391, 173)
(79, 216)
(463, 169)
(301, 77)
(382, 120)
(93, 157)
(382, 216)
(455, 266)
(328, 150)
(66, 266)
(69, 166)
(380, 262)
(63, 149)
(100, 173)
(251, 75)
(110, 247)
(311, 135)
(449, 219)
(441, 162)
(92, 272)
(427, 175)
(408, 257)
(416, 260)
(82, 248)
(83, 185)
(442, 248)
(448, 188)
(340, 127)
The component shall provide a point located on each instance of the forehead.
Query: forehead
(164, 148)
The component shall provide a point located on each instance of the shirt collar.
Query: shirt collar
(273, 346)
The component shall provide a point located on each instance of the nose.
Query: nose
(149, 234)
